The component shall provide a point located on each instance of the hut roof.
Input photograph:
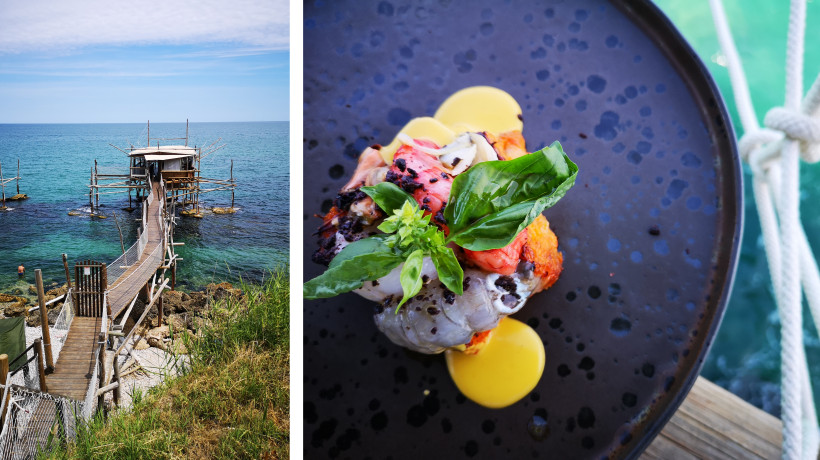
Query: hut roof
(178, 151)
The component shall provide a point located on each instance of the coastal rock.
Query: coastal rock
(18, 197)
(142, 345)
(177, 323)
(32, 289)
(223, 210)
(16, 309)
(160, 333)
(33, 319)
(156, 342)
(223, 290)
(57, 291)
(6, 298)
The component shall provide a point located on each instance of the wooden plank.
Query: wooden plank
(712, 423)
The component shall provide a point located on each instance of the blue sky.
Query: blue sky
(104, 61)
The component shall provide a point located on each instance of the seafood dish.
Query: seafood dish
(443, 229)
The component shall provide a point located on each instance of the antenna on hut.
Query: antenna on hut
(186, 132)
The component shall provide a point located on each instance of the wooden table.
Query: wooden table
(712, 423)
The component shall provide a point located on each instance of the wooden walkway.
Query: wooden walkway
(120, 296)
(74, 367)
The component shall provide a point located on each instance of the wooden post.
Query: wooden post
(117, 394)
(41, 300)
(173, 275)
(232, 188)
(159, 311)
(101, 358)
(67, 274)
(4, 376)
(38, 347)
(18, 176)
(186, 132)
(3, 184)
(96, 184)
(91, 191)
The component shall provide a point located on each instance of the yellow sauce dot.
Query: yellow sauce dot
(480, 108)
(504, 371)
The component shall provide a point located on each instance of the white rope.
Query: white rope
(791, 132)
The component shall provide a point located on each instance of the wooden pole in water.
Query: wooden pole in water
(4, 378)
(149, 133)
(232, 188)
(96, 182)
(4, 187)
(186, 132)
(67, 275)
(91, 191)
(41, 372)
(41, 300)
(173, 275)
(18, 176)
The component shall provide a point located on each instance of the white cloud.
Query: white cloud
(46, 25)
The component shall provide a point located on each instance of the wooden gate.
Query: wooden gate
(91, 279)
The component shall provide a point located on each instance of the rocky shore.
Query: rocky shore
(183, 312)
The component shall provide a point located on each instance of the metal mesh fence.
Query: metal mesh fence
(121, 264)
(36, 422)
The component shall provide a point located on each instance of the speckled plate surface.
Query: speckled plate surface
(649, 232)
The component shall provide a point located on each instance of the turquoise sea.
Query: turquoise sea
(55, 166)
(745, 357)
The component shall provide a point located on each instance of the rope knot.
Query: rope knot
(798, 126)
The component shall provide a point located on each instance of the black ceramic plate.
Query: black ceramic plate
(649, 232)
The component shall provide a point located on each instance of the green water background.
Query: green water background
(745, 357)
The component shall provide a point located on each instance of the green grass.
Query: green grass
(232, 403)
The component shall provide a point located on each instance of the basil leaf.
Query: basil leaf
(449, 270)
(411, 276)
(360, 261)
(389, 196)
(369, 245)
(494, 201)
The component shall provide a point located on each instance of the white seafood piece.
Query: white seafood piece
(467, 150)
(437, 319)
(390, 284)
(458, 161)
(484, 151)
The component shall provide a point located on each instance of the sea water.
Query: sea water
(745, 357)
(55, 169)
